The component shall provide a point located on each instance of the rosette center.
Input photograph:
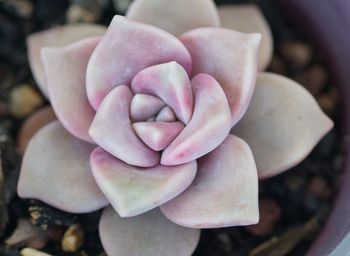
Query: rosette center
(154, 122)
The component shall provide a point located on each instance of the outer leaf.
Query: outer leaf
(127, 48)
(132, 190)
(56, 37)
(224, 193)
(248, 18)
(56, 170)
(231, 58)
(149, 234)
(282, 125)
(176, 18)
(65, 70)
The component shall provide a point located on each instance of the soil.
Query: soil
(294, 205)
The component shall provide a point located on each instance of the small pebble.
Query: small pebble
(319, 187)
(297, 53)
(270, 213)
(24, 99)
(33, 124)
(32, 252)
(73, 238)
(77, 13)
(327, 103)
(313, 79)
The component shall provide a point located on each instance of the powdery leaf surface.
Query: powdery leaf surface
(282, 125)
(148, 234)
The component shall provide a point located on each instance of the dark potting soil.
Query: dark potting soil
(293, 205)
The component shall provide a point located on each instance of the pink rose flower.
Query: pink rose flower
(162, 123)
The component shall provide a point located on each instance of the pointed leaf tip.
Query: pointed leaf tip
(56, 170)
(56, 37)
(231, 58)
(132, 190)
(224, 192)
(248, 18)
(282, 125)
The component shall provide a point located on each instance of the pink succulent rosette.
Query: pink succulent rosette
(160, 111)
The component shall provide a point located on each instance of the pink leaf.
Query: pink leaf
(56, 170)
(224, 193)
(282, 125)
(170, 82)
(127, 48)
(158, 135)
(166, 115)
(247, 18)
(209, 126)
(65, 70)
(112, 130)
(176, 18)
(132, 190)
(144, 106)
(56, 37)
(148, 234)
(231, 58)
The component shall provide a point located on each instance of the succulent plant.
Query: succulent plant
(165, 117)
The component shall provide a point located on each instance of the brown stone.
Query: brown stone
(33, 124)
(319, 187)
(297, 53)
(24, 99)
(32, 252)
(327, 103)
(77, 13)
(73, 238)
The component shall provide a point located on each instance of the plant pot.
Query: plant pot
(327, 23)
